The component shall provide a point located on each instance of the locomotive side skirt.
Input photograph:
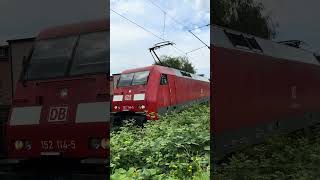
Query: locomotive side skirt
(231, 141)
(181, 106)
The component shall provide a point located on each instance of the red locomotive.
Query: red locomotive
(145, 93)
(259, 88)
(61, 105)
(113, 82)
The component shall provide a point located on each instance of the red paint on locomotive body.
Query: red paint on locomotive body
(63, 115)
(253, 88)
(160, 90)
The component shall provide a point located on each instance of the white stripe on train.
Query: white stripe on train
(25, 115)
(86, 112)
(93, 112)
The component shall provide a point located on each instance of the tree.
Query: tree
(179, 62)
(245, 16)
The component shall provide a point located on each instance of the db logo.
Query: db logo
(58, 114)
(127, 97)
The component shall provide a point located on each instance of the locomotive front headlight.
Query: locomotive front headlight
(115, 107)
(94, 143)
(141, 107)
(18, 144)
(104, 143)
(28, 145)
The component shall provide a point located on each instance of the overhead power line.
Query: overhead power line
(199, 27)
(164, 26)
(184, 53)
(147, 30)
(137, 25)
(178, 22)
(196, 49)
(168, 14)
(175, 20)
(199, 39)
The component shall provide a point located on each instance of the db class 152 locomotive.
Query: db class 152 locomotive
(147, 92)
(61, 105)
(259, 88)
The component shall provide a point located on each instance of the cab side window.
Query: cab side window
(163, 79)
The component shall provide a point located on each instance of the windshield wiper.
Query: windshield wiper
(93, 63)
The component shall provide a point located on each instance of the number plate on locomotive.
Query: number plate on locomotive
(127, 108)
(58, 114)
(58, 145)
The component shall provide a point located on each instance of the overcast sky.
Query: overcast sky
(130, 44)
(23, 19)
(298, 20)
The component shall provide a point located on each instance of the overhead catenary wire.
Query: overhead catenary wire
(162, 38)
(199, 39)
(164, 11)
(184, 53)
(185, 28)
(195, 49)
(200, 27)
(190, 30)
(164, 24)
(137, 25)
(175, 20)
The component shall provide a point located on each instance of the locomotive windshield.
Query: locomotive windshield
(132, 79)
(92, 54)
(51, 58)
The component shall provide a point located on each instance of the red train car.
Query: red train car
(61, 104)
(113, 82)
(154, 90)
(259, 88)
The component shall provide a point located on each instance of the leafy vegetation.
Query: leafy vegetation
(286, 157)
(175, 147)
(179, 62)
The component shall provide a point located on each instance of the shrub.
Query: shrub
(278, 158)
(175, 147)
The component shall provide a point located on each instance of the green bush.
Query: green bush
(175, 147)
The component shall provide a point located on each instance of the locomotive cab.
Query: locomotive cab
(61, 103)
(130, 98)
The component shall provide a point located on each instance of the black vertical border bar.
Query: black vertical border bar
(215, 12)
(212, 4)
(107, 13)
